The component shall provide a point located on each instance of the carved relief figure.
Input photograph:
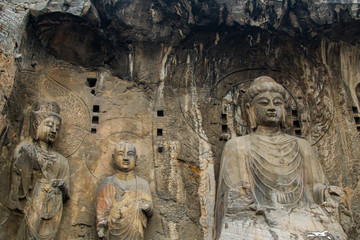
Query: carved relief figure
(271, 185)
(40, 176)
(124, 200)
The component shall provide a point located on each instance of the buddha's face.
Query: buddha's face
(125, 157)
(268, 108)
(47, 129)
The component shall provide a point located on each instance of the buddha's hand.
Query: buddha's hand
(115, 214)
(57, 182)
(100, 232)
(335, 196)
(145, 205)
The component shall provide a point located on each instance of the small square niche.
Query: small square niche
(160, 113)
(96, 108)
(95, 119)
(91, 82)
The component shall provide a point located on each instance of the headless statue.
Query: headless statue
(271, 185)
(124, 200)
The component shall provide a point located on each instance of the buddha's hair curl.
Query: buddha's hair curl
(125, 143)
(260, 85)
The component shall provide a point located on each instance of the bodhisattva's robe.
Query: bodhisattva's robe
(32, 190)
(271, 188)
(119, 209)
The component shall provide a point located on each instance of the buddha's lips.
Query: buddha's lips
(52, 135)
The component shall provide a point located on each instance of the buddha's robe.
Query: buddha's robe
(119, 209)
(271, 188)
(33, 192)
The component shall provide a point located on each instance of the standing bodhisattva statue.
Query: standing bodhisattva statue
(271, 185)
(40, 176)
(124, 200)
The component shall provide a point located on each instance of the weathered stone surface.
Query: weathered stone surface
(271, 186)
(188, 59)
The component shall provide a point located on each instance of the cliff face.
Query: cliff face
(167, 75)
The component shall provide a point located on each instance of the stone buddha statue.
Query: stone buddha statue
(124, 200)
(40, 176)
(271, 185)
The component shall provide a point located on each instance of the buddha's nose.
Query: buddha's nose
(53, 129)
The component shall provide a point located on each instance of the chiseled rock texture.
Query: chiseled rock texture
(166, 75)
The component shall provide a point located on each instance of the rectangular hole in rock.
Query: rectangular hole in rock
(91, 82)
(160, 113)
(93, 130)
(223, 116)
(358, 128)
(296, 124)
(354, 109)
(96, 108)
(95, 119)
(159, 132)
(357, 120)
(224, 128)
(298, 132)
(294, 113)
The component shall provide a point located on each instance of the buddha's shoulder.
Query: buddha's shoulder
(238, 142)
(303, 143)
(25, 146)
(142, 181)
(298, 139)
(60, 158)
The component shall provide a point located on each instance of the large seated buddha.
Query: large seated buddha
(271, 185)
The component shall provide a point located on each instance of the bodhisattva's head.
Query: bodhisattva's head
(124, 157)
(45, 121)
(264, 103)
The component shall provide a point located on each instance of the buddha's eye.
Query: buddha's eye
(49, 124)
(131, 153)
(120, 153)
(278, 102)
(263, 102)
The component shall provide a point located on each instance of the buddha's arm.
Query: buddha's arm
(314, 175)
(103, 206)
(64, 177)
(228, 156)
(19, 169)
(146, 203)
(13, 200)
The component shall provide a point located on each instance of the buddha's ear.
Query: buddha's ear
(283, 118)
(251, 116)
(35, 126)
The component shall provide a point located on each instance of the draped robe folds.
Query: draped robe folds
(32, 190)
(271, 188)
(119, 210)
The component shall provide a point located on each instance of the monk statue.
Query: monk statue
(271, 185)
(124, 200)
(40, 176)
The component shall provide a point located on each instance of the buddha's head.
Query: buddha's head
(45, 121)
(264, 103)
(124, 156)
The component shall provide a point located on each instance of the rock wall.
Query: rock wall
(168, 76)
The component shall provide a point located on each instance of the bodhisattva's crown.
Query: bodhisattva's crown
(46, 107)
